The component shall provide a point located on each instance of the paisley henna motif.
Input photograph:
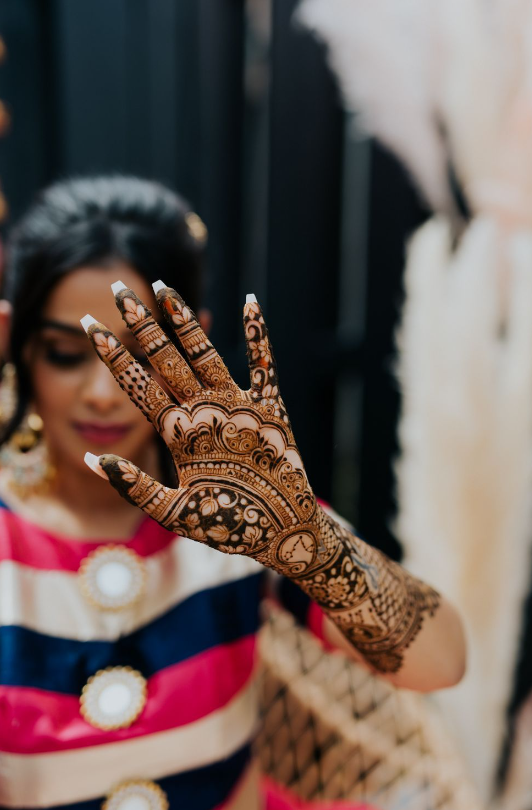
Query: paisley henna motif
(242, 484)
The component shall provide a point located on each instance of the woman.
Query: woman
(126, 650)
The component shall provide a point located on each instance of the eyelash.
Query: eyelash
(65, 359)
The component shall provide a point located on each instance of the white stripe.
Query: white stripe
(51, 602)
(42, 780)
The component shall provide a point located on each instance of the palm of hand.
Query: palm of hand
(242, 485)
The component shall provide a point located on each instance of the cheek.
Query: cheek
(54, 391)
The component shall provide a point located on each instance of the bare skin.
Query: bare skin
(243, 489)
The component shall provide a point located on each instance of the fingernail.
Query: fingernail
(87, 321)
(250, 299)
(93, 462)
(158, 285)
(117, 286)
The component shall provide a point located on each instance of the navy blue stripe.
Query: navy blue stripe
(200, 789)
(293, 599)
(215, 616)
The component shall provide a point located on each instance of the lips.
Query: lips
(95, 433)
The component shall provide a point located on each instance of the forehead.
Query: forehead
(87, 290)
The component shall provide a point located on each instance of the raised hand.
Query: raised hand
(241, 480)
(242, 486)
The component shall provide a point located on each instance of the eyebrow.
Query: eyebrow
(62, 327)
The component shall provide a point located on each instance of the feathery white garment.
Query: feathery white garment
(416, 68)
(465, 475)
(412, 69)
(384, 57)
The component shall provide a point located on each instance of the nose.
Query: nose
(100, 391)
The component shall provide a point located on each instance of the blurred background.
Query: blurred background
(232, 104)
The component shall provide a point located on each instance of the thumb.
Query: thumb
(137, 487)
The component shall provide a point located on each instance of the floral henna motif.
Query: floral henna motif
(264, 383)
(202, 355)
(378, 605)
(242, 484)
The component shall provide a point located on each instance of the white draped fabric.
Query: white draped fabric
(450, 83)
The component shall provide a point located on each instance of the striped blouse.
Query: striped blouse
(126, 670)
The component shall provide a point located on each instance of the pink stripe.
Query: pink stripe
(34, 721)
(316, 624)
(25, 542)
(278, 797)
(315, 621)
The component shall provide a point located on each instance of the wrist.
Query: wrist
(377, 605)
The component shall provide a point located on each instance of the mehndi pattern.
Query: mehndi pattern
(242, 486)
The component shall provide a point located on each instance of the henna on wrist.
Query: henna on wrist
(242, 484)
(377, 605)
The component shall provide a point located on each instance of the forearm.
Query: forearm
(380, 613)
(435, 660)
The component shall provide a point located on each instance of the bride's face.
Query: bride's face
(76, 396)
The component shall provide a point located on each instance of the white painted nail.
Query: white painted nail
(87, 321)
(93, 462)
(250, 299)
(158, 285)
(117, 286)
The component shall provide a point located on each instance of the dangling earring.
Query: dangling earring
(196, 228)
(8, 393)
(25, 456)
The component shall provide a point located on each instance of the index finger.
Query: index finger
(140, 387)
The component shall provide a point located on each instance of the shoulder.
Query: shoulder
(10, 530)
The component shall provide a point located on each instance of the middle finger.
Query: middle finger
(156, 345)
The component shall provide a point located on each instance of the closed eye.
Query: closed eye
(65, 359)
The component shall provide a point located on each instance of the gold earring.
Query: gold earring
(25, 456)
(196, 228)
(8, 393)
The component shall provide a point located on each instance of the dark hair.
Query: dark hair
(91, 220)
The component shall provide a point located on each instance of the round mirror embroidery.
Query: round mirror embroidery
(113, 577)
(113, 698)
(137, 795)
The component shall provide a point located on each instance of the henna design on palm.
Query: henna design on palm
(242, 486)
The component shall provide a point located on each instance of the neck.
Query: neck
(80, 504)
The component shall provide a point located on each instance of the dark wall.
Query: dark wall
(246, 123)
